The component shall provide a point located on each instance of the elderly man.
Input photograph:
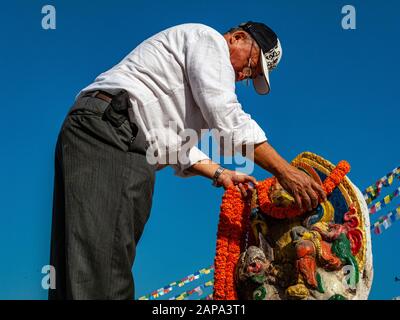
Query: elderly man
(184, 76)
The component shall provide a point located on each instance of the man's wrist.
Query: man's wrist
(281, 171)
(205, 168)
(216, 175)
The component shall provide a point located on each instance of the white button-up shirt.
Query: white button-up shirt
(182, 75)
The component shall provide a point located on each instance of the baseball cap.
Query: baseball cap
(271, 52)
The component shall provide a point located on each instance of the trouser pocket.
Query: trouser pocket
(88, 127)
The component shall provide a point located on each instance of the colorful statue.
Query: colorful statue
(323, 254)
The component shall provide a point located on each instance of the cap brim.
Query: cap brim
(261, 82)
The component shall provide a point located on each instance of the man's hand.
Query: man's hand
(305, 190)
(229, 178)
(226, 179)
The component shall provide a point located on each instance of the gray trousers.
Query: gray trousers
(102, 199)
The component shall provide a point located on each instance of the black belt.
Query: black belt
(100, 95)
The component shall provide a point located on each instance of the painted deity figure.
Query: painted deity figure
(318, 255)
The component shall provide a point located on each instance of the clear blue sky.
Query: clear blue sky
(335, 93)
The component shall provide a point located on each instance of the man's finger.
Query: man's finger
(317, 188)
(252, 180)
(313, 197)
(242, 177)
(243, 189)
(297, 198)
(250, 187)
(306, 201)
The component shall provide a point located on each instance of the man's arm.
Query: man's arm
(305, 190)
(213, 89)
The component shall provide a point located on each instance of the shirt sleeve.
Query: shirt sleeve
(194, 155)
(212, 81)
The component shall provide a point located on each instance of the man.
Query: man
(184, 76)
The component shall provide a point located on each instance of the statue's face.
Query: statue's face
(280, 196)
(252, 263)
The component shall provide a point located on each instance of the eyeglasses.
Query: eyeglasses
(248, 71)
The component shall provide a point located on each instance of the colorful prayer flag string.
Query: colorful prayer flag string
(199, 290)
(373, 191)
(379, 205)
(386, 221)
(168, 288)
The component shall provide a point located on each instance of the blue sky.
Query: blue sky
(334, 93)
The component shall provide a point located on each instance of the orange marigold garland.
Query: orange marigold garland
(266, 205)
(232, 223)
(336, 176)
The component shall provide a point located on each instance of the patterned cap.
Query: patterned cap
(271, 50)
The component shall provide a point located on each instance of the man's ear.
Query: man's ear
(238, 36)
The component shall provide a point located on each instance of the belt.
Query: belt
(100, 95)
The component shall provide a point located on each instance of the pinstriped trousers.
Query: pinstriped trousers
(102, 200)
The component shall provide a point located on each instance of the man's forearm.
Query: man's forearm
(205, 168)
(266, 157)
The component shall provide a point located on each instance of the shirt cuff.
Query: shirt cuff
(194, 156)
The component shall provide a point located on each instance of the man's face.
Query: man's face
(241, 48)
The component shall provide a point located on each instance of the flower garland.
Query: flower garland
(336, 177)
(233, 222)
(270, 209)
